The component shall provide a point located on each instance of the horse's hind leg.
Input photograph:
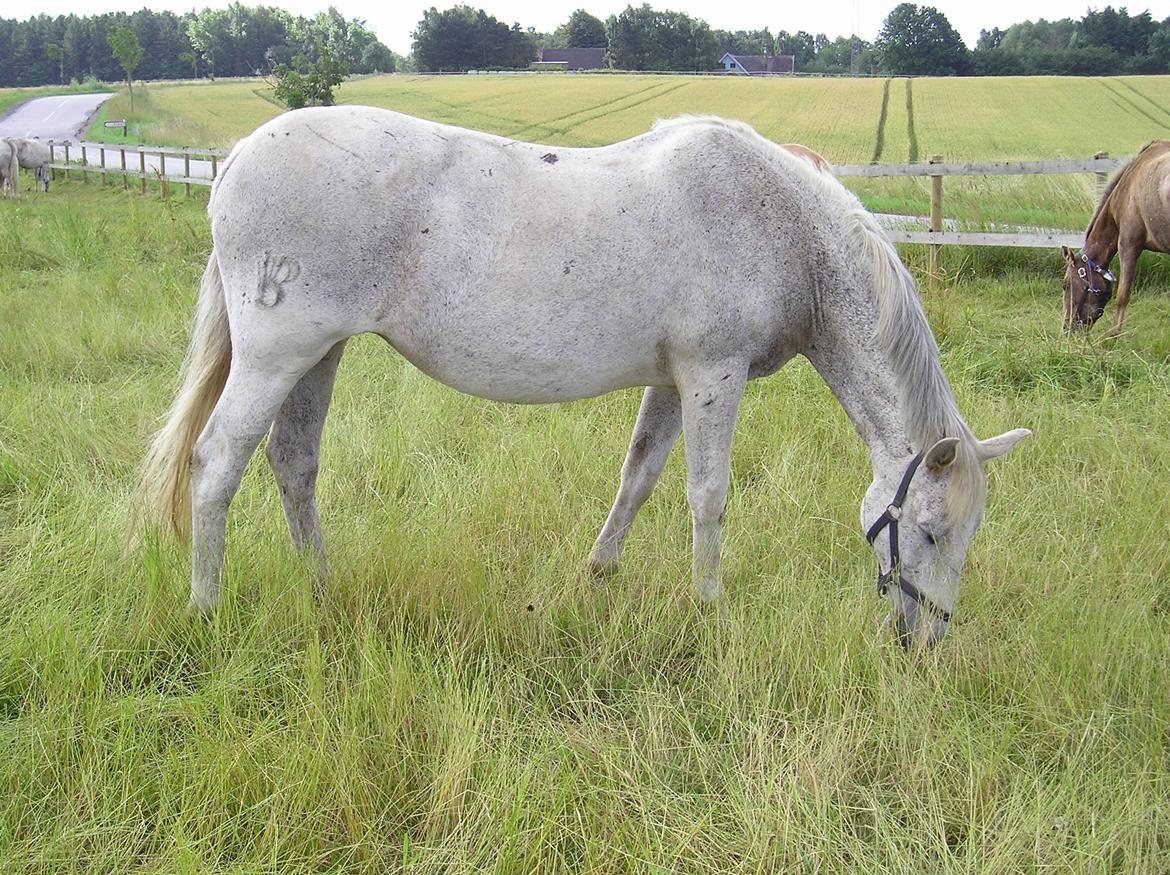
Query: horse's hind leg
(655, 433)
(710, 394)
(294, 449)
(250, 399)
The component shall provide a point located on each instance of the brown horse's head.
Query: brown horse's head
(1088, 286)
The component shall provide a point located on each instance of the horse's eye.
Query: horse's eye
(929, 535)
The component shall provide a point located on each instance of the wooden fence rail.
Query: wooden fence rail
(937, 235)
(1101, 165)
(152, 162)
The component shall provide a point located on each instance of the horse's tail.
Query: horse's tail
(13, 168)
(164, 491)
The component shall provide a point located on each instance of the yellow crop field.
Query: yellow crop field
(836, 116)
(200, 113)
(1040, 116)
(961, 119)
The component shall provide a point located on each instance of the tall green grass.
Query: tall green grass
(460, 696)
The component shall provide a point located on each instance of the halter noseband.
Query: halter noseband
(890, 517)
(1086, 273)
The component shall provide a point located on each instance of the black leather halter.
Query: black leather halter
(890, 517)
(1086, 273)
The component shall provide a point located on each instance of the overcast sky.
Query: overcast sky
(393, 20)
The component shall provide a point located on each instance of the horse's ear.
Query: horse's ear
(993, 448)
(941, 455)
(1067, 253)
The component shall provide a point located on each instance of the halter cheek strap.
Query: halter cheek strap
(1092, 267)
(890, 518)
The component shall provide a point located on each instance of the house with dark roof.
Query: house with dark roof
(754, 65)
(573, 58)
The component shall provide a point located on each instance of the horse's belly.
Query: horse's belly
(511, 375)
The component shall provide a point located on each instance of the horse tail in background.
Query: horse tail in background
(13, 169)
(163, 498)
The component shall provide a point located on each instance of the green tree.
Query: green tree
(643, 38)
(581, 31)
(920, 41)
(746, 42)
(462, 38)
(312, 84)
(53, 53)
(126, 48)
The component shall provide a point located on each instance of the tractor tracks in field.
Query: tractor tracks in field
(911, 136)
(589, 113)
(879, 142)
(1144, 97)
(1130, 106)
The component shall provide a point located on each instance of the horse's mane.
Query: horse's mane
(1113, 184)
(928, 408)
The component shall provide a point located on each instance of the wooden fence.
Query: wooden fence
(144, 162)
(150, 162)
(936, 236)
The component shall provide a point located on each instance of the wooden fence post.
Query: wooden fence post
(213, 157)
(935, 220)
(1102, 178)
(66, 159)
(162, 174)
(102, 155)
(84, 165)
(125, 179)
(141, 171)
(52, 160)
(187, 170)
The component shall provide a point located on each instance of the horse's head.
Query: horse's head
(920, 541)
(1088, 286)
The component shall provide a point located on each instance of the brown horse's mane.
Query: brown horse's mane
(1113, 184)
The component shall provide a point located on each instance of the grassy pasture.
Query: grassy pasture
(961, 119)
(460, 697)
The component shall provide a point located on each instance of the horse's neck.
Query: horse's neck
(1101, 240)
(859, 374)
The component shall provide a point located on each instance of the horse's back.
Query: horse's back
(516, 270)
(1145, 201)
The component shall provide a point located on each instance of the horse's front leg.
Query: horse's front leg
(710, 393)
(1128, 254)
(655, 432)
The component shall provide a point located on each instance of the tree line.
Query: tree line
(242, 40)
(236, 41)
(914, 40)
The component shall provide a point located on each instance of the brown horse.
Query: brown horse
(810, 156)
(1134, 214)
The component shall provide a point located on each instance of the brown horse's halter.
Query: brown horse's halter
(1091, 268)
(890, 517)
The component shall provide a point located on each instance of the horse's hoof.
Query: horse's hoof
(709, 591)
(200, 607)
(602, 568)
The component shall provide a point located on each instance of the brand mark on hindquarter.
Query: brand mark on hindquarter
(275, 271)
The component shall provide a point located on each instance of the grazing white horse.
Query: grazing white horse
(687, 260)
(9, 169)
(35, 156)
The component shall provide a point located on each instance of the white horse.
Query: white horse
(687, 260)
(35, 156)
(9, 169)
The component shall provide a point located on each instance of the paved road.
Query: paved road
(56, 118)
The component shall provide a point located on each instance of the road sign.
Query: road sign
(116, 123)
